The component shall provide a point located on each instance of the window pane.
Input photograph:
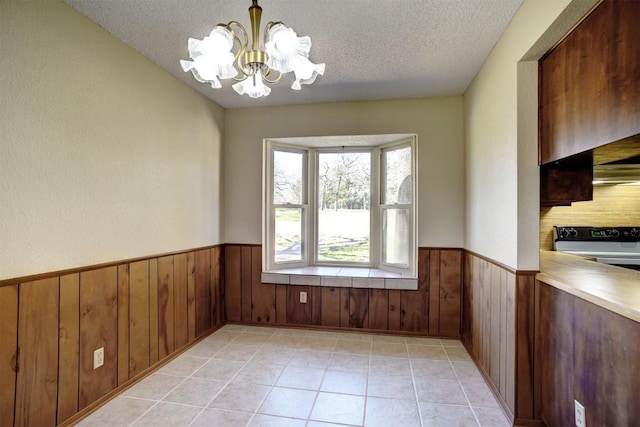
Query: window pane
(397, 187)
(288, 234)
(395, 235)
(287, 178)
(343, 207)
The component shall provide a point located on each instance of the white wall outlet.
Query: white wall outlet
(581, 419)
(303, 297)
(98, 358)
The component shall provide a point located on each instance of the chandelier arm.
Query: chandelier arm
(241, 28)
(265, 77)
(239, 57)
(268, 27)
(242, 49)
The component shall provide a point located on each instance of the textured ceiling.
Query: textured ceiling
(373, 49)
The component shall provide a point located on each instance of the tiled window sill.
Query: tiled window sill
(341, 277)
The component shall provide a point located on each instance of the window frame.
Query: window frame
(314, 198)
(309, 217)
(411, 207)
(269, 207)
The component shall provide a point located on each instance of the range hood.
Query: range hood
(616, 173)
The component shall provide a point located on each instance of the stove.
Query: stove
(610, 245)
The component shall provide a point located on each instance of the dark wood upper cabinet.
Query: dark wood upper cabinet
(590, 83)
(562, 183)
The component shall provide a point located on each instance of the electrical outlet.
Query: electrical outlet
(98, 358)
(581, 419)
(303, 297)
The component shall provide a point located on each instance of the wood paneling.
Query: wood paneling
(138, 317)
(69, 346)
(497, 330)
(316, 305)
(510, 342)
(431, 274)
(166, 309)
(450, 295)
(524, 348)
(330, 307)
(494, 320)
(136, 310)
(233, 282)
(359, 308)
(415, 305)
(153, 311)
(394, 310)
(379, 309)
(181, 303)
(263, 294)
(37, 380)
(8, 352)
(298, 313)
(202, 291)
(217, 294)
(439, 284)
(281, 304)
(123, 323)
(246, 282)
(589, 354)
(612, 205)
(589, 85)
(98, 328)
(191, 296)
(345, 322)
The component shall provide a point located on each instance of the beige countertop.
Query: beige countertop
(614, 288)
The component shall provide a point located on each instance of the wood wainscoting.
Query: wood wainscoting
(587, 353)
(434, 309)
(498, 331)
(141, 311)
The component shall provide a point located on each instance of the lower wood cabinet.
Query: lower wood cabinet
(585, 353)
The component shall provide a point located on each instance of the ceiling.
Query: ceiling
(373, 49)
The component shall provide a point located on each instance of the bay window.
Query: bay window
(340, 206)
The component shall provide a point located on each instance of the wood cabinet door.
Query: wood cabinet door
(590, 83)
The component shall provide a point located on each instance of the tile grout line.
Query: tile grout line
(255, 411)
(226, 384)
(413, 382)
(272, 386)
(366, 387)
(293, 350)
(230, 379)
(165, 395)
(464, 392)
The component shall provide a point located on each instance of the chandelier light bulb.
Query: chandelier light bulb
(252, 86)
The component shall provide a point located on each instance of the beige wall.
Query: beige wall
(500, 109)
(103, 156)
(437, 121)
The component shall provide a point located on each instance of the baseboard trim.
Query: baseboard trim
(340, 329)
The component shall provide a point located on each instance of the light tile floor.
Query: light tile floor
(259, 376)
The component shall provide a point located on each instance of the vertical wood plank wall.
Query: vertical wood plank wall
(498, 331)
(587, 353)
(140, 312)
(434, 309)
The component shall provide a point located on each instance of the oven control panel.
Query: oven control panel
(594, 234)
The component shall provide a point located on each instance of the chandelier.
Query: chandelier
(213, 57)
